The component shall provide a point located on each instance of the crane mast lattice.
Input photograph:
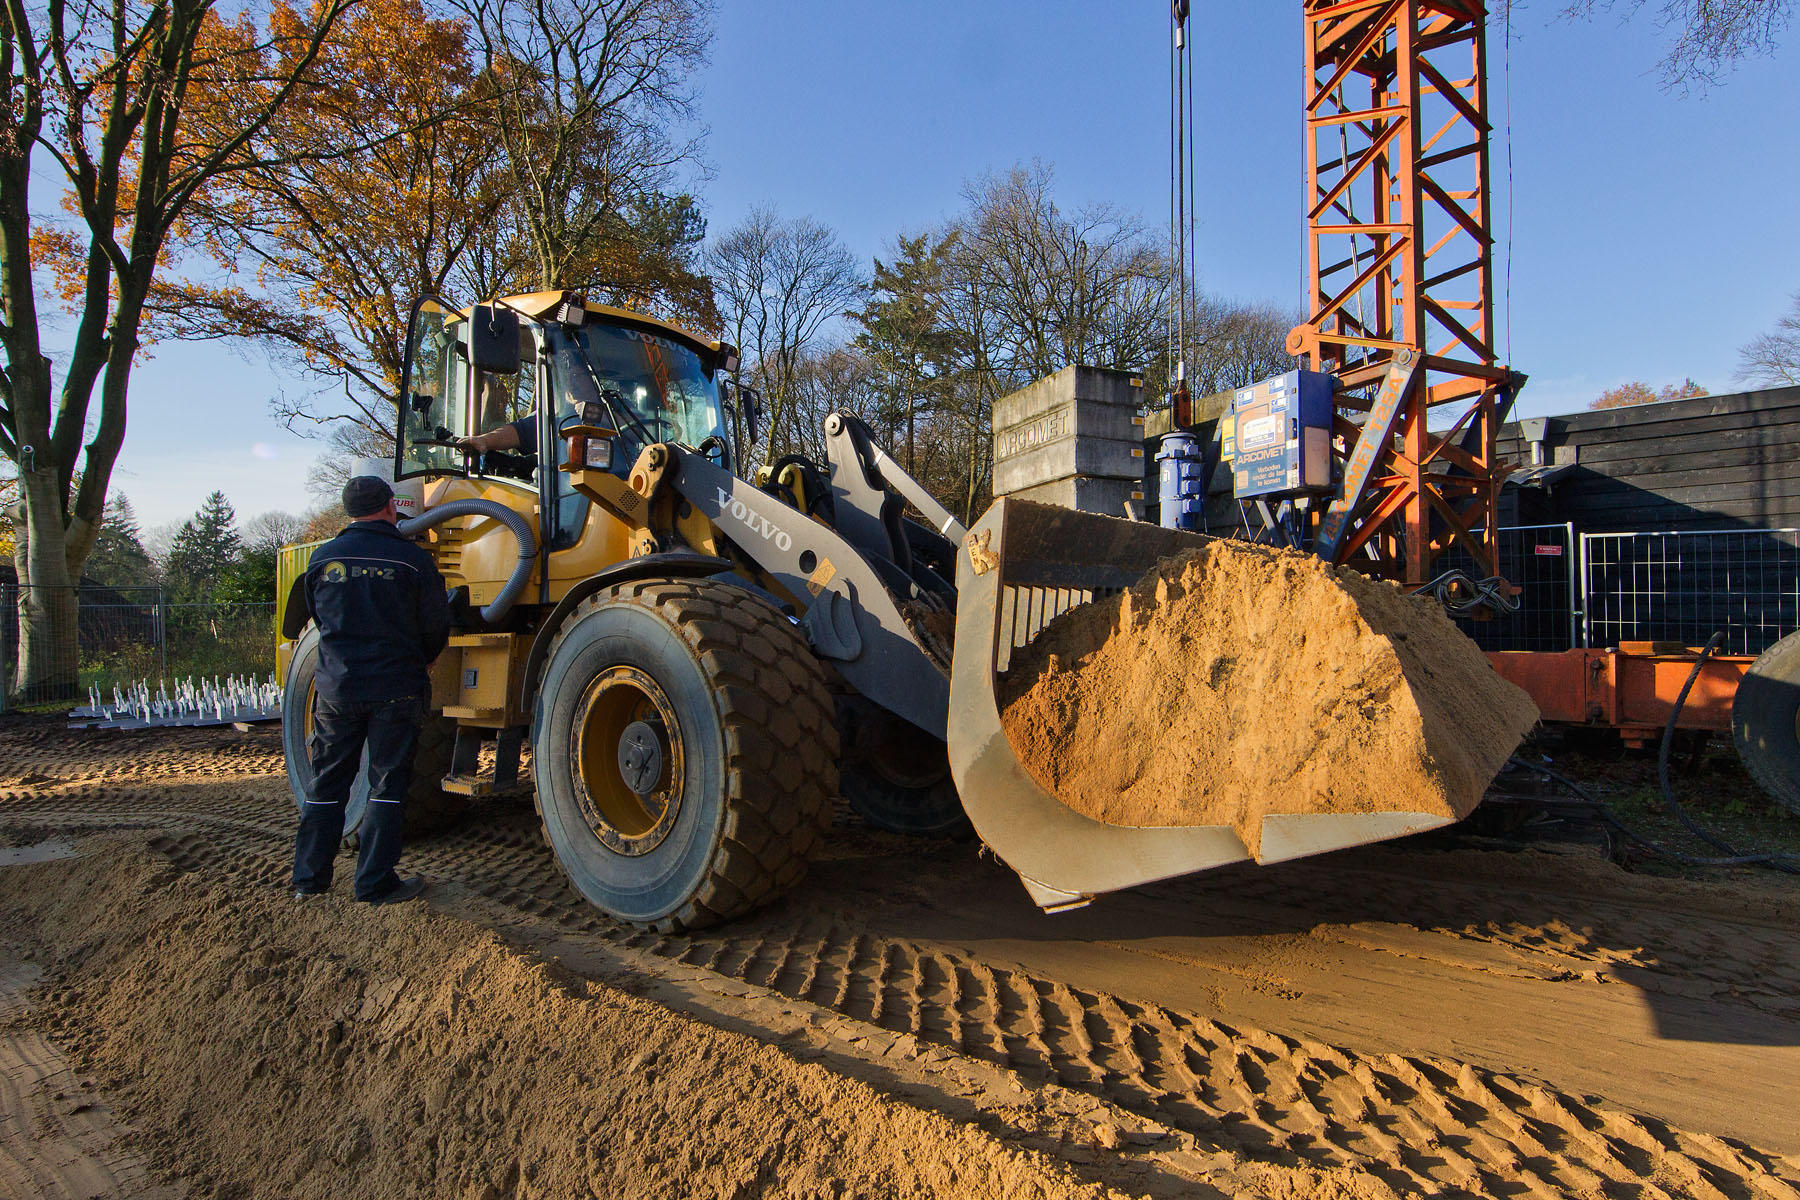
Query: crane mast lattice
(1401, 279)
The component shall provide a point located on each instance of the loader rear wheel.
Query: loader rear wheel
(684, 752)
(1765, 722)
(897, 777)
(428, 807)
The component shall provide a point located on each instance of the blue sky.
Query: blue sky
(1651, 236)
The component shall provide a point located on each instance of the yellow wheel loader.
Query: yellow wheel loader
(702, 662)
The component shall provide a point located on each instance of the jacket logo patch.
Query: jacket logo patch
(337, 572)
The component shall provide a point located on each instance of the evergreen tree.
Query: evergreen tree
(913, 348)
(119, 558)
(204, 550)
(252, 579)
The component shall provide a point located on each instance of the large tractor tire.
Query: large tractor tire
(684, 752)
(428, 807)
(896, 776)
(1765, 722)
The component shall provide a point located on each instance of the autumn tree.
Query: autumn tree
(104, 96)
(1087, 286)
(251, 579)
(1773, 359)
(486, 159)
(779, 282)
(9, 500)
(1031, 288)
(324, 522)
(1233, 343)
(316, 259)
(1637, 392)
(828, 379)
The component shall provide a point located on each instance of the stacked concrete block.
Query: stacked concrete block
(1073, 439)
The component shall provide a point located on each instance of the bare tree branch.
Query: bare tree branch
(1773, 359)
(1711, 36)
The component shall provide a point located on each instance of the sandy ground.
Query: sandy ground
(1428, 1018)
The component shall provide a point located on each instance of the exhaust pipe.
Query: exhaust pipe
(493, 613)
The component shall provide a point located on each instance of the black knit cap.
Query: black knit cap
(366, 495)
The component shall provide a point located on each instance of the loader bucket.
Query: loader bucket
(1022, 565)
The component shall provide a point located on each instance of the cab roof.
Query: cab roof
(539, 305)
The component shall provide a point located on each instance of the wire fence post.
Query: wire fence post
(9, 626)
(1587, 597)
(162, 634)
(121, 636)
(1577, 587)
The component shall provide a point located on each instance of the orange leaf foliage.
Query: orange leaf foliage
(1637, 392)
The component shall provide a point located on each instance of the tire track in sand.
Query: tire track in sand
(58, 1140)
(1423, 1125)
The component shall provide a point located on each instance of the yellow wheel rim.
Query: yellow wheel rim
(626, 760)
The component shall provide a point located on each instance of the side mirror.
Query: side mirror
(494, 339)
(752, 403)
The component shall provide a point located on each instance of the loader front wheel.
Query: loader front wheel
(429, 807)
(684, 752)
(1765, 721)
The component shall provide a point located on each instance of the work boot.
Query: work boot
(401, 892)
(309, 893)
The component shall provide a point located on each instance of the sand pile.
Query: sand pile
(268, 1049)
(1236, 681)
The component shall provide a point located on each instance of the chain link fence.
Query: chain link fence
(1595, 590)
(1577, 590)
(122, 635)
(1684, 587)
(1540, 560)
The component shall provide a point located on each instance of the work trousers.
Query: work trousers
(390, 730)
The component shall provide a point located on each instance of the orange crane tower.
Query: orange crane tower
(1401, 279)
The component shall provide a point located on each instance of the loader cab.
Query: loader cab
(552, 356)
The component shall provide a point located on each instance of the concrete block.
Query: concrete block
(1079, 421)
(1104, 496)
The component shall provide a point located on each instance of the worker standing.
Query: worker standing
(383, 618)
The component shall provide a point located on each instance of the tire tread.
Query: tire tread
(769, 830)
(1762, 722)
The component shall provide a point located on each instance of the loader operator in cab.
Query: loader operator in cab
(655, 389)
(383, 619)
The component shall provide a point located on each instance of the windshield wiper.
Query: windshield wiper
(601, 390)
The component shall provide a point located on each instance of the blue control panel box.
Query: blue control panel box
(1279, 442)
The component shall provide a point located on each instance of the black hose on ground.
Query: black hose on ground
(1731, 857)
(521, 529)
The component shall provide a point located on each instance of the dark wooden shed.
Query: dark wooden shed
(1714, 462)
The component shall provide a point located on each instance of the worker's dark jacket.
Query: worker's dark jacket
(382, 614)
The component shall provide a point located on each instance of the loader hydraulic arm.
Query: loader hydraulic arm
(846, 612)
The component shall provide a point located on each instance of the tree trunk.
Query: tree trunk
(49, 654)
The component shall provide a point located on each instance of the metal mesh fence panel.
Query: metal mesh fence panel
(56, 643)
(1540, 561)
(1684, 587)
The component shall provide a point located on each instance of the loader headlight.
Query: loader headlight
(599, 453)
